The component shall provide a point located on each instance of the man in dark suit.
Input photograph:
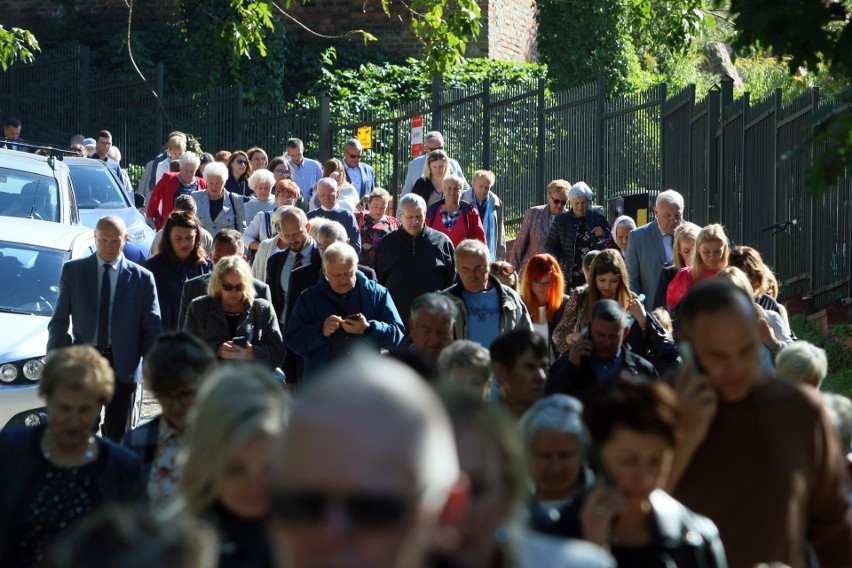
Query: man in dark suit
(113, 304)
(227, 242)
(649, 247)
(361, 176)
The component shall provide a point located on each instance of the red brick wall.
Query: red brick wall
(508, 30)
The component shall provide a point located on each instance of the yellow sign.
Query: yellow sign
(641, 217)
(365, 137)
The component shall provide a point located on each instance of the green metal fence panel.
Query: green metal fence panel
(730, 142)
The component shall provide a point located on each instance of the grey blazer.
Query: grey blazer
(233, 215)
(206, 319)
(134, 320)
(645, 257)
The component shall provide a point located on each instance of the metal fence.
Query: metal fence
(737, 162)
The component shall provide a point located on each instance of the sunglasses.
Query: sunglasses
(232, 287)
(559, 202)
(241, 162)
(354, 156)
(364, 510)
(506, 269)
(284, 173)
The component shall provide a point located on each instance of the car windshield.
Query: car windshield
(29, 278)
(96, 188)
(25, 194)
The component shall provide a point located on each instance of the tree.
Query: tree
(807, 36)
(16, 45)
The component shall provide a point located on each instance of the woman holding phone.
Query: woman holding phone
(633, 428)
(234, 323)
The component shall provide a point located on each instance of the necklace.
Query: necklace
(87, 456)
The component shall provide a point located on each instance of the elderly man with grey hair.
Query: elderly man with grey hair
(487, 308)
(327, 193)
(341, 312)
(574, 233)
(361, 175)
(414, 259)
(430, 328)
(433, 140)
(368, 474)
(649, 248)
(600, 357)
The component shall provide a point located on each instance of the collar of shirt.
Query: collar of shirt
(306, 250)
(165, 432)
(324, 208)
(114, 263)
(662, 232)
(605, 370)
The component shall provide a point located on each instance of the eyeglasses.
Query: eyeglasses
(365, 510)
(284, 173)
(354, 156)
(435, 148)
(232, 287)
(241, 162)
(184, 397)
(559, 202)
(183, 240)
(542, 283)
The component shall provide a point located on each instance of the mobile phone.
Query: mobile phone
(585, 333)
(242, 341)
(353, 317)
(687, 352)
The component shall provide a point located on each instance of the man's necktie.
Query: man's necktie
(298, 262)
(103, 310)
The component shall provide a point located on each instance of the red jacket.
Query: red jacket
(467, 226)
(162, 199)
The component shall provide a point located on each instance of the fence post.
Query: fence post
(663, 94)
(776, 118)
(238, 116)
(486, 125)
(158, 133)
(85, 107)
(325, 126)
(396, 158)
(542, 139)
(601, 190)
(437, 101)
(714, 107)
(746, 102)
(811, 207)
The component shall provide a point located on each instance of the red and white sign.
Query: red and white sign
(416, 135)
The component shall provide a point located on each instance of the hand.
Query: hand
(331, 325)
(598, 232)
(767, 335)
(573, 338)
(637, 309)
(602, 505)
(230, 350)
(581, 348)
(698, 403)
(356, 324)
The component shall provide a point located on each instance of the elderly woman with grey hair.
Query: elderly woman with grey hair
(457, 219)
(557, 444)
(171, 186)
(617, 240)
(466, 362)
(574, 233)
(218, 208)
(260, 182)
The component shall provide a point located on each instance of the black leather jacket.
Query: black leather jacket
(563, 236)
(682, 539)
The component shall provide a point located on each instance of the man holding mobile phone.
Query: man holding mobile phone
(600, 356)
(759, 455)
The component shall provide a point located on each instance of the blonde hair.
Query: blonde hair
(486, 174)
(177, 143)
(736, 277)
(684, 231)
(235, 404)
(559, 186)
(79, 367)
(236, 265)
(713, 232)
(802, 362)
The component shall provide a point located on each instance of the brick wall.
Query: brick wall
(508, 30)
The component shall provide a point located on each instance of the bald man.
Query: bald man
(369, 475)
(113, 303)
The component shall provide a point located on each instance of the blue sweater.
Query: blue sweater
(343, 217)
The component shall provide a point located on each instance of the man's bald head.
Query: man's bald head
(371, 427)
(113, 222)
(110, 236)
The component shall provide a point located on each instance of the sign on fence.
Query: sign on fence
(416, 135)
(365, 136)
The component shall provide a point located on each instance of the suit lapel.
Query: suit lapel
(658, 242)
(122, 284)
(363, 180)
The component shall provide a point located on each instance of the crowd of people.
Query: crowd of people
(410, 391)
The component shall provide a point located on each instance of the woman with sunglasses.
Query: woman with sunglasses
(234, 323)
(280, 168)
(543, 291)
(537, 221)
(181, 257)
(571, 236)
(239, 172)
(230, 447)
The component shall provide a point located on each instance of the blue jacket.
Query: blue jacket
(304, 326)
(343, 217)
(170, 279)
(22, 466)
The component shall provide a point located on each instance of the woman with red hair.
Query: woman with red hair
(543, 289)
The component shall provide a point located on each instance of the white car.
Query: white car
(32, 253)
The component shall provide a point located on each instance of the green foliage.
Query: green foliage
(445, 27)
(16, 45)
(839, 356)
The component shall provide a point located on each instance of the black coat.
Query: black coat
(563, 236)
(681, 538)
(566, 378)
